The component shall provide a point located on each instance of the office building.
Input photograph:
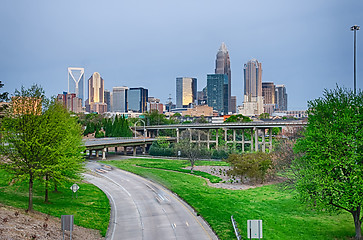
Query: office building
(186, 92)
(96, 91)
(217, 92)
(70, 101)
(107, 95)
(253, 100)
(269, 100)
(76, 82)
(119, 99)
(137, 99)
(223, 66)
(281, 98)
(155, 104)
(233, 104)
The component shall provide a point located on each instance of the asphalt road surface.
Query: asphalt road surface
(141, 209)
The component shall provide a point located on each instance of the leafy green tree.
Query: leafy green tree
(238, 118)
(155, 118)
(264, 116)
(38, 142)
(330, 171)
(60, 147)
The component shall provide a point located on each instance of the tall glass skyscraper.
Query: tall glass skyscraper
(223, 66)
(76, 82)
(281, 98)
(119, 99)
(217, 92)
(186, 91)
(137, 99)
(253, 100)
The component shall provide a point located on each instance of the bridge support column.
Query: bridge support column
(251, 139)
(190, 135)
(144, 149)
(270, 139)
(208, 139)
(134, 150)
(234, 139)
(177, 135)
(104, 153)
(263, 140)
(256, 140)
(217, 130)
(199, 139)
(226, 136)
(243, 140)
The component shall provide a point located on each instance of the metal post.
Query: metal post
(243, 140)
(354, 29)
(256, 140)
(270, 139)
(263, 141)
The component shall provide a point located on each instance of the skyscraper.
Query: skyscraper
(137, 99)
(107, 96)
(281, 98)
(269, 100)
(217, 92)
(119, 101)
(76, 82)
(253, 101)
(186, 91)
(223, 66)
(95, 102)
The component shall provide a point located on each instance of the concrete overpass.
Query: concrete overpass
(255, 128)
(102, 144)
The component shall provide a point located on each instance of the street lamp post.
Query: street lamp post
(355, 28)
(144, 127)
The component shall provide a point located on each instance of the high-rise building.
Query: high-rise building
(186, 91)
(137, 99)
(217, 92)
(107, 96)
(119, 99)
(76, 82)
(281, 98)
(233, 104)
(269, 100)
(223, 66)
(96, 100)
(253, 100)
(70, 101)
(155, 104)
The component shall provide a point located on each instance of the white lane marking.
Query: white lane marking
(187, 224)
(118, 185)
(173, 225)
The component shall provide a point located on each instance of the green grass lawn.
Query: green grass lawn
(283, 216)
(179, 166)
(91, 209)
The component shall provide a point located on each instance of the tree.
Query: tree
(330, 171)
(41, 140)
(60, 147)
(191, 150)
(21, 140)
(238, 118)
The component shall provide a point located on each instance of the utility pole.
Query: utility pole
(355, 28)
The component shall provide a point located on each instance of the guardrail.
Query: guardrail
(236, 231)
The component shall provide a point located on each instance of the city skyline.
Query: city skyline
(299, 44)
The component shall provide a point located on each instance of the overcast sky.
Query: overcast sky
(306, 45)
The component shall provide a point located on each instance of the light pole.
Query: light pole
(355, 28)
(144, 127)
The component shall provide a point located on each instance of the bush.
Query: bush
(251, 165)
(219, 154)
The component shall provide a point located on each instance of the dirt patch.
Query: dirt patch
(229, 182)
(18, 224)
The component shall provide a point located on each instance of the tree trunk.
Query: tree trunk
(192, 167)
(46, 200)
(30, 203)
(357, 223)
(55, 187)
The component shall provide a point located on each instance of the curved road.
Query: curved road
(141, 209)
